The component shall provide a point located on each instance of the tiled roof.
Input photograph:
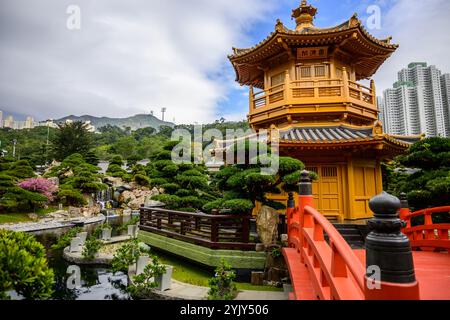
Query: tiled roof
(326, 134)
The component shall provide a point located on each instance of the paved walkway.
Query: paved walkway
(180, 290)
(48, 224)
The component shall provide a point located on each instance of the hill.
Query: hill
(134, 122)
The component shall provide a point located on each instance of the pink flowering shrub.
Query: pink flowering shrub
(40, 185)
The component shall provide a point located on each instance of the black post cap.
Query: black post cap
(384, 204)
(305, 185)
(386, 246)
(404, 200)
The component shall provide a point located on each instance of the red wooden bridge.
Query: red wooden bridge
(400, 262)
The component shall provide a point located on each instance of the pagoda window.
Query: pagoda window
(339, 73)
(277, 79)
(319, 71)
(303, 72)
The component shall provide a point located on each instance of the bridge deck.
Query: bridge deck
(432, 273)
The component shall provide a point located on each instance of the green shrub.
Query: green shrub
(183, 192)
(170, 187)
(192, 201)
(171, 201)
(116, 171)
(142, 180)
(222, 286)
(23, 266)
(116, 160)
(71, 197)
(91, 248)
(158, 182)
(144, 283)
(127, 255)
(18, 199)
(170, 170)
(192, 182)
(216, 204)
(65, 239)
(239, 206)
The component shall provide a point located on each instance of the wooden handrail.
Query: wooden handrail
(212, 231)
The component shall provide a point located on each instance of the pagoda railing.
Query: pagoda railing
(207, 230)
(428, 236)
(322, 90)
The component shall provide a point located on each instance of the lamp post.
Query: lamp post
(14, 147)
(163, 111)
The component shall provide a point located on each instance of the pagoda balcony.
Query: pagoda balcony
(313, 96)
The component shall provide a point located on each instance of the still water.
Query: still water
(97, 282)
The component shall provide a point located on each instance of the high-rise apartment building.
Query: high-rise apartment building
(418, 102)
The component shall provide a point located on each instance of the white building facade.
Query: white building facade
(418, 103)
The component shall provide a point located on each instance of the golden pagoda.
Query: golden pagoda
(304, 82)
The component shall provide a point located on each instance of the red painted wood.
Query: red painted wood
(301, 282)
(432, 273)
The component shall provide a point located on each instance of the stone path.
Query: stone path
(47, 224)
(184, 291)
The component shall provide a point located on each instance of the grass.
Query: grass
(191, 273)
(23, 217)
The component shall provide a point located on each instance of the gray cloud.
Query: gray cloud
(128, 57)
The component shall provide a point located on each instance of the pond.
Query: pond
(97, 282)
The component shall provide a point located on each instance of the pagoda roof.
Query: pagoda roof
(342, 134)
(350, 37)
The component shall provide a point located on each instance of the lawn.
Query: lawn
(23, 217)
(187, 272)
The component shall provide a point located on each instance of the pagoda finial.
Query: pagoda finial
(304, 15)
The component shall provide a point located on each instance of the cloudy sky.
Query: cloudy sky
(133, 56)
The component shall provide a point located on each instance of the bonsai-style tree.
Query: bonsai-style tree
(186, 185)
(76, 177)
(242, 185)
(23, 266)
(429, 186)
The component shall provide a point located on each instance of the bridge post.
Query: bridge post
(404, 208)
(305, 198)
(388, 251)
(290, 212)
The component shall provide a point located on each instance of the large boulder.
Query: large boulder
(90, 211)
(267, 225)
(113, 182)
(136, 198)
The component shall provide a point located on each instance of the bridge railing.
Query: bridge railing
(429, 236)
(339, 272)
(211, 231)
(335, 271)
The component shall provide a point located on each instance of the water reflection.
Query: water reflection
(97, 282)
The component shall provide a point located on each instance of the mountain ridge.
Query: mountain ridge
(137, 121)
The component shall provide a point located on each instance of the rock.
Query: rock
(113, 182)
(90, 211)
(33, 216)
(267, 225)
(260, 247)
(136, 198)
(154, 204)
(55, 180)
(68, 174)
(73, 211)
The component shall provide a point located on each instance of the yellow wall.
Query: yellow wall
(343, 191)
